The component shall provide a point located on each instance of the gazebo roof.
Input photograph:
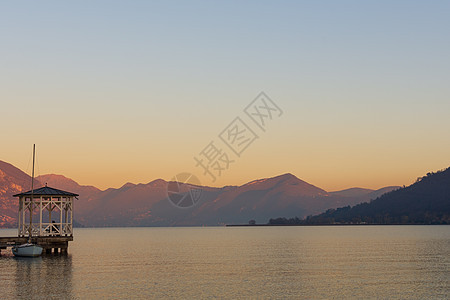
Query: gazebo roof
(47, 191)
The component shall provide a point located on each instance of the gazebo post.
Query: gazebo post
(40, 216)
(50, 208)
(61, 215)
(19, 220)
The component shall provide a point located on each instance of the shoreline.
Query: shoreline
(371, 224)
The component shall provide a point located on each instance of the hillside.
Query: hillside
(12, 181)
(427, 201)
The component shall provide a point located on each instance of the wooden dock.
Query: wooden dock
(55, 244)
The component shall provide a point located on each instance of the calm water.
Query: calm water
(240, 262)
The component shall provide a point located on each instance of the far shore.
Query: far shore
(343, 224)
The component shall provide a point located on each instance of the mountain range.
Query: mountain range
(148, 204)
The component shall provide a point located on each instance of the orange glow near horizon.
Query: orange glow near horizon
(328, 174)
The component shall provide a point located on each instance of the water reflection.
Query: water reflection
(353, 262)
(44, 277)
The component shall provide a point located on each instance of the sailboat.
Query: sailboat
(29, 249)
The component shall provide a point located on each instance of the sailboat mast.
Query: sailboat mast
(30, 230)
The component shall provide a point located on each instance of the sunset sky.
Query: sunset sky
(131, 91)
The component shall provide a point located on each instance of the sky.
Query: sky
(131, 91)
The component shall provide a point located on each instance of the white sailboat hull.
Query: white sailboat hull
(27, 250)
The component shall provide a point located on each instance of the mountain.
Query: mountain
(12, 181)
(258, 199)
(363, 195)
(130, 205)
(353, 192)
(427, 201)
(87, 193)
(148, 204)
(64, 183)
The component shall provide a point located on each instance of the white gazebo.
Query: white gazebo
(50, 210)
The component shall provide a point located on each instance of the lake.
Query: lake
(238, 262)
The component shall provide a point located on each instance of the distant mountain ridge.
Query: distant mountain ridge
(147, 204)
(67, 183)
(427, 201)
(366, 194)
(86, 193)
